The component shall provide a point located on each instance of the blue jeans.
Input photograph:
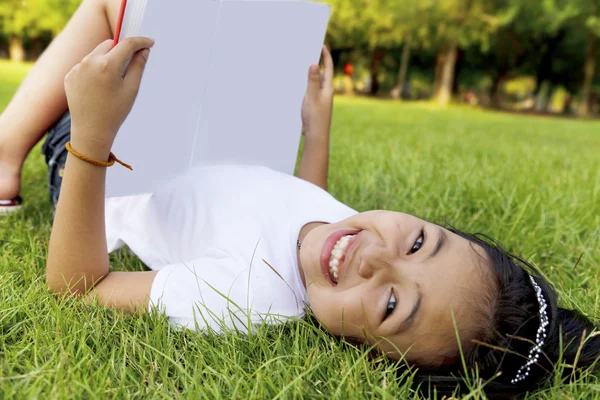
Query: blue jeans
(56, 154)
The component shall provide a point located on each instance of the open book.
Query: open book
(223, 85)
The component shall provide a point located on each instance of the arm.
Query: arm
(314, 164)
(316, 117)
(100, 99)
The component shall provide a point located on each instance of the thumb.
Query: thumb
(314, 80)
(135, 71)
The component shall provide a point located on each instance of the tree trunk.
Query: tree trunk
(439, 68)
(567, 105)
(494, 91)
(544, 70)
(336, 55)
(15, 49)
(375, 69)
(543, 97)
(590, 70)
(447, 79)
(401, 82)
(457, 70)
(35, 49)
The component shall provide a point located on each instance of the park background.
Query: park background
(535, 56)
(465, 145)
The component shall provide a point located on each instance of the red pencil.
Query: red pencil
(120, 22)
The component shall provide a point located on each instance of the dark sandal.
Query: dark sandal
(10, 206)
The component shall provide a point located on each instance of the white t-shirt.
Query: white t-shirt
(223, 240)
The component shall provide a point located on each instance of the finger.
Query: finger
(102, 49)
(125, 50)
(328, 73)
(314, 80)
(135, 71)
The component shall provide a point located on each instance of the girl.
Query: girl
(233, 246)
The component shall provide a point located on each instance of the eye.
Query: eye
(391, 305)
(418, 244)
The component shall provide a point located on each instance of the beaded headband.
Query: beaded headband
(540, 337)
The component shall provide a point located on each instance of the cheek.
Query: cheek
(338, 312)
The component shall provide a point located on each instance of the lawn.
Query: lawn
(533, 183)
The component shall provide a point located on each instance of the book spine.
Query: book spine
(120, 22)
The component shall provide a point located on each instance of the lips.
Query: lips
(328, 247)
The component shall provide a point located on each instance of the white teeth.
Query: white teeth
(336, 254)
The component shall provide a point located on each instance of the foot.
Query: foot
(10, 176)
(10, 182)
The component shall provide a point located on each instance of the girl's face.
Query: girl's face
(400, 282)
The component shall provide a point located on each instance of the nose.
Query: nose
(374, 259)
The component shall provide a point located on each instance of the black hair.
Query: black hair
(572, 344)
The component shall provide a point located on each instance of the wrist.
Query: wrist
(91, 147)
(317, 149)
(316, 138)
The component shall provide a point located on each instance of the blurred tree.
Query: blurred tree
(410, 18)
(17, 19)
(347, 26)
(372, 26)
(347, 31)
(446, 26)
(403, 71)
(589, 17)
(458, 24)
(526, 44)
(549, 22)
(21, 19)
(561, 27)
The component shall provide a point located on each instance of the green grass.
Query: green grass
(533, 183)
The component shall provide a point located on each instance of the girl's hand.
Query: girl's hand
(101, 93)
(318, 101)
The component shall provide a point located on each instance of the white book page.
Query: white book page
(217, 96)
(258, 78)
(133, 18)
(157, 137)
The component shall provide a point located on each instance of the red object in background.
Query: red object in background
(349, 69)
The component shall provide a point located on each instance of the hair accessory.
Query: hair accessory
(111, 159)
(540, 337)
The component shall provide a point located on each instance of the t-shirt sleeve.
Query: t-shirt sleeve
(206, 293)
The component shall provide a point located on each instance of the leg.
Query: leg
(41, 99)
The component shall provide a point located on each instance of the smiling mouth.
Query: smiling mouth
(338, 255)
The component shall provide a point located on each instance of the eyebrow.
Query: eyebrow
(441, 242)
(407, 323)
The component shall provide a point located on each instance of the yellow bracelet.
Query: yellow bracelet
(111, 159)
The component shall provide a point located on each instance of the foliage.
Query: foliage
(435, 23)
(31, 18)
(364, 24)
(467, 22)
(551, 40)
